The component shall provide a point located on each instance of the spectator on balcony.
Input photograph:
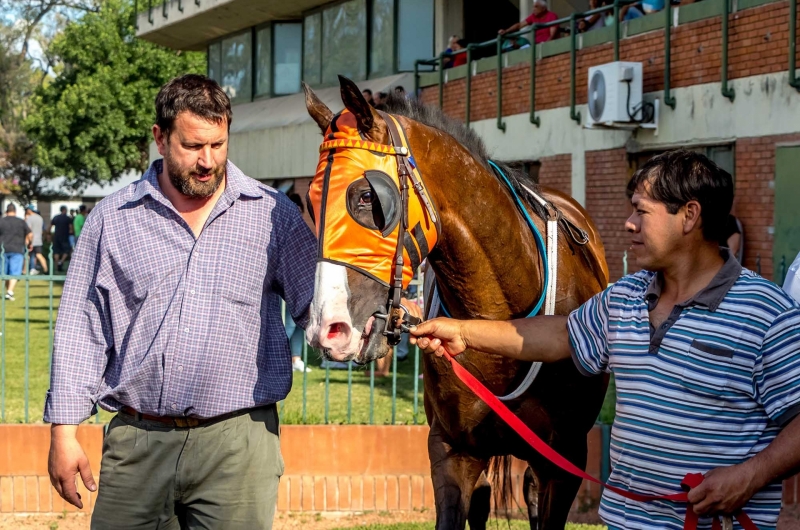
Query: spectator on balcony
(651, 6)
(367, 93)
(447, 60)
(595, 21)
(460, 58)
(540, 15)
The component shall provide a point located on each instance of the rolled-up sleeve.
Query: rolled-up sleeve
(588, 335)
(82, 336)
(296, 265)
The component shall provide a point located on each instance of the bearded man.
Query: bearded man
(160, 323)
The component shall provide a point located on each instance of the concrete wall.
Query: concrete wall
(328, 468)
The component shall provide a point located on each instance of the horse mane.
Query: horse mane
(434, 117)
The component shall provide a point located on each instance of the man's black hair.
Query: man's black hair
(194, 93)
(368, 91)
(676, 177)
(63, 209)
(82, 208)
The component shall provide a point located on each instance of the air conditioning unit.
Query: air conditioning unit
(615, 94)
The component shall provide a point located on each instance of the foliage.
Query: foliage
(92, 122)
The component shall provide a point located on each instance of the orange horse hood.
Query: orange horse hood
(355, 199)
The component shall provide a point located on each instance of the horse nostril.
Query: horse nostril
(337, 328)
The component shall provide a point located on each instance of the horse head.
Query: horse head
(374, 223)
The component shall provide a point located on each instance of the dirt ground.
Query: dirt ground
(790, 520)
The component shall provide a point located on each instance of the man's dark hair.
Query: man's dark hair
(82, 208)
(11, 208)
(463, 43)
(368, 91)
(679, 176)
(399, 88)
(194, 93)
(63, 209)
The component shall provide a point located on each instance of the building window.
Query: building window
(312, 49)
(381, 54)
(288, 57)
(414, 32)
(344, 44)
(264, 61)
(237, 67)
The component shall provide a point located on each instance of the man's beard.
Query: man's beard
(185, 182)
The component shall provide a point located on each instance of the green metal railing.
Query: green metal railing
(793, 81)
(727, 91)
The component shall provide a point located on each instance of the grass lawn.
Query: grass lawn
(13, 403)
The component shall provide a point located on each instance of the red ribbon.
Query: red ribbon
(691, 480)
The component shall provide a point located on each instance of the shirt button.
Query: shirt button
(192, 291)
(180, 368)
(174, 406)
(186, 330)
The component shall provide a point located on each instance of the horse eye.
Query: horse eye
(366, 198)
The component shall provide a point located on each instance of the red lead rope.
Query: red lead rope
(691, 480)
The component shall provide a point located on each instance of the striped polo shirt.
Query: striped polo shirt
(711, 387)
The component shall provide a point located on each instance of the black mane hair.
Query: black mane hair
(467, 137)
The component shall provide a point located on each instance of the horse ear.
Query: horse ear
(369, 121)
(317, 109)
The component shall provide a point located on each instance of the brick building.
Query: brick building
(754, 134)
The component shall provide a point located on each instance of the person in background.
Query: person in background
(792, 282)
(460, 58)
(36, 224)
(379, 100)
(72, 214)
(78, 221)
(733, 237)
(61, 226)
(293, 332)
(447, 60)
(367, 93)
(15, 236)
(399, 91)
(595, 21)
(540, 15)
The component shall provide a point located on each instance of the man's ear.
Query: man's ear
(161, 139)
(692, 218)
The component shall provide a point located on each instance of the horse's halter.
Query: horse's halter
(388, 253)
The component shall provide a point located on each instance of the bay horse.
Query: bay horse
(487, 266)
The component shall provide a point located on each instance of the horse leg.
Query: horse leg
(558, 489)
(458, 479)
(530, 491)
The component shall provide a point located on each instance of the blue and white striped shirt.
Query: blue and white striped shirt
(711, 387)
(171, 324)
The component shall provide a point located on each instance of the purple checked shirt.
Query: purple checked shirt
(172, 325)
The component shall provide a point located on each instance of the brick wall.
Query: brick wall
(758, 44)
(754, 201)
(556, 172)
(607, 174)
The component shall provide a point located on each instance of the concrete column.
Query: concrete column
(525, 9)
(579, 176)
(449, 20)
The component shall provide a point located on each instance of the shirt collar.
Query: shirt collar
(237, 184)
(711, 295)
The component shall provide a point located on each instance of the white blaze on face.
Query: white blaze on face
(330, 326)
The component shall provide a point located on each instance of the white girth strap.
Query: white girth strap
(549, 301)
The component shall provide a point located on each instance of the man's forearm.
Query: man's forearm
(542, 338)
(781, 458)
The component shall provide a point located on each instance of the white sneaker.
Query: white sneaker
(10, 296)
(298, 366)
(34, 272)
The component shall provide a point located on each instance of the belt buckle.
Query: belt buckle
(186, 422)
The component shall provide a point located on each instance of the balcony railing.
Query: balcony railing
(571, 21)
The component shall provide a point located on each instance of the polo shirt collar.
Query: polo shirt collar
(711, 295)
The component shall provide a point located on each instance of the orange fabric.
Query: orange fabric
(343, 240)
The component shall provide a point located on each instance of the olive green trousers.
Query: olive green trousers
(221, 475)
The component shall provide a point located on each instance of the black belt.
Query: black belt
(184, 423)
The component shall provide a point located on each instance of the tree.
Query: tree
(92, 122)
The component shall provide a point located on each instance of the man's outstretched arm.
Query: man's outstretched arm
(542, 338)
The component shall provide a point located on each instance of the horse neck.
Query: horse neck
(486, 261)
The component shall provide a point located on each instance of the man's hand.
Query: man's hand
(438, 335)
(66, 460)
(725, 490)
(501, 32)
